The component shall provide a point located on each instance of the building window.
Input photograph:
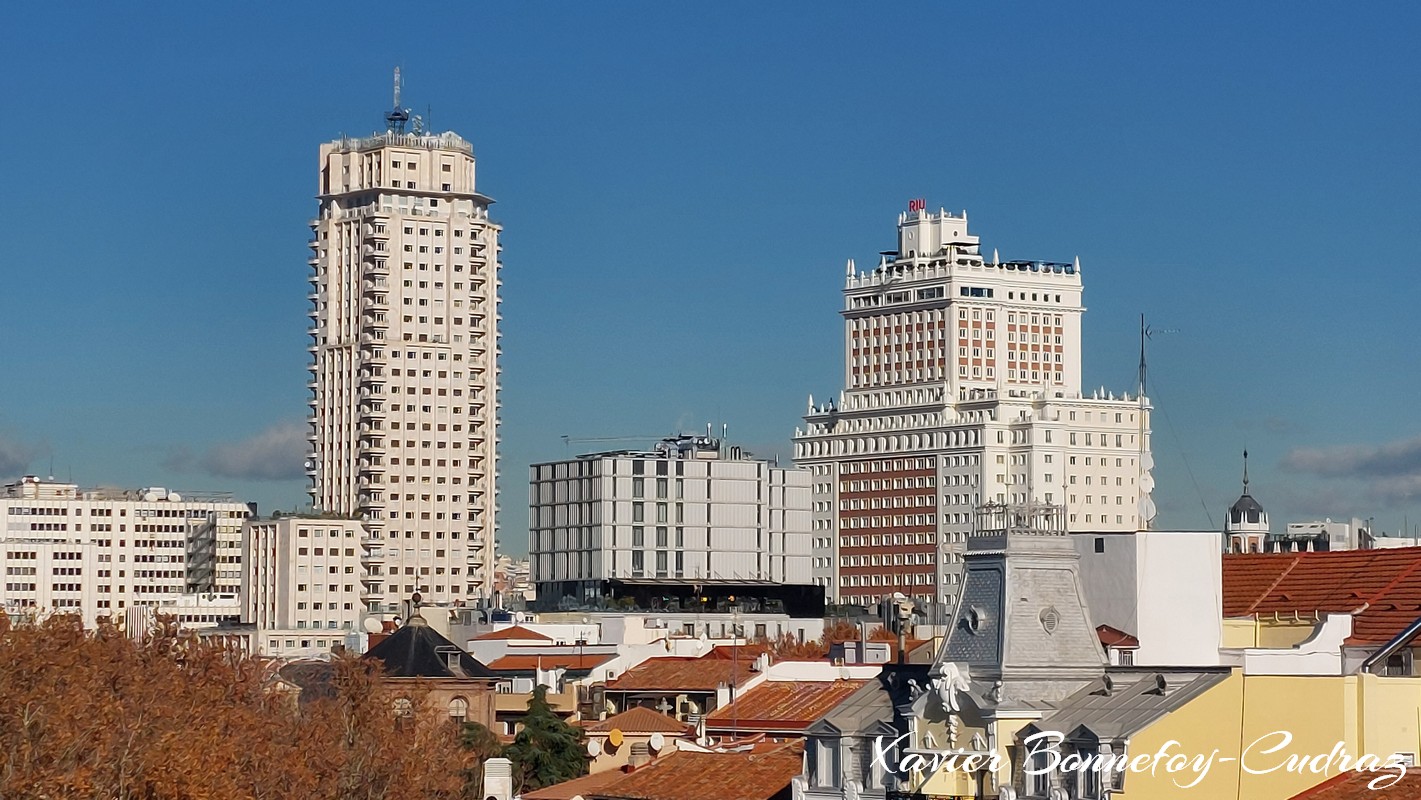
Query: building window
(458, 710)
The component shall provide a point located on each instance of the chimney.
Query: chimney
(640, 756)
(498, 779)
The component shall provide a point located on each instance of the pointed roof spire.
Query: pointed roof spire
(995, 258)
(811, 404)
(849, 268)
(1078, 265)
(1245, 470)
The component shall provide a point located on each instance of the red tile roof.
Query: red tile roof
(748, 651)
(1353, 786)
(515, 632)
(528, 663)
(709, 776)
(577, 787)
(1111, 637)
(1380, 588)
(782, 705)
(639, 719)
(681, 674)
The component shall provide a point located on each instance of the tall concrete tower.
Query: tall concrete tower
(404, 370)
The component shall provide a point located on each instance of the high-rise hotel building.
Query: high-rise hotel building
(404, 370)
(962, 383)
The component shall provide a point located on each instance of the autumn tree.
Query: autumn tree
(546, 749)
(95, 715)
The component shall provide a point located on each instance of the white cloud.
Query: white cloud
(1391, 471)
(15, 456)
(275, 454)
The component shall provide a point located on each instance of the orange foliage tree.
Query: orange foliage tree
(94, 714)
(788, 646)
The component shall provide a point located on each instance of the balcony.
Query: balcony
(371, 592)
(376, 321)
(377, 301)
(372, 467)
(377, 266)
(368, 556)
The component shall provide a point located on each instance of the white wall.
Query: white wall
(1180, 615)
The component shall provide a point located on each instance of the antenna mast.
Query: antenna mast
(396, 118)
(1143, 369)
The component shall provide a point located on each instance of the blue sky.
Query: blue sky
(680, 186)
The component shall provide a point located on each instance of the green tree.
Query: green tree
(482, 744)
(546, 750)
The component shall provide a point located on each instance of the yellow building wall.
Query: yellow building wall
(1366, 714)
(1240, 633)
(1232, 725)
(1284, 635)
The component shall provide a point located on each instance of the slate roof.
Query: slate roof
(316, 679)
(1380, 588)
(1353, 786)
(568, 661)
(418, 651)
(782, 705)
(681, 674)
(709, 776)
(517, 632)
(873, 703)
(638, 719)
(1132, 702)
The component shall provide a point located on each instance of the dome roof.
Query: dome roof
(1246, 504)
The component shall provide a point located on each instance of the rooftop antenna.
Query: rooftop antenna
(1147, 332)
(396, 117)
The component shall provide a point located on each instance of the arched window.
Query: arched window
(458, 710)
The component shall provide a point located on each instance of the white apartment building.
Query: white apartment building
(404, 371)
(306, 581)
(100, 552)
(962, 383)
(691, 512)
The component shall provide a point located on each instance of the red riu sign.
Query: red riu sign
(917, 205)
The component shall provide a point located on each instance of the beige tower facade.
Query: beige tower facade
(404, 368)
(962, 386)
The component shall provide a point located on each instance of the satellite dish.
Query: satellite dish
(615, 737)
(594, 747)
(372, 625)
(657, 741)
(175, 497)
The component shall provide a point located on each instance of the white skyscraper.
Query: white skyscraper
(404, 370)
(963, 387)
